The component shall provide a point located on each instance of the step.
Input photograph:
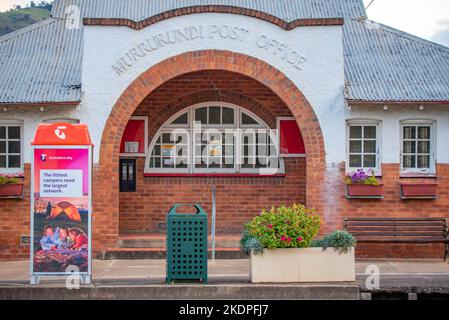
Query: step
(159, 253)
(157, 240)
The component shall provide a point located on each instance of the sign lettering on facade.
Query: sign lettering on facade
(204, 33)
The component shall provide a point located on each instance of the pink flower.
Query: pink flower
(299, 239)
(283, 238)
(270, 226)
(289, 239)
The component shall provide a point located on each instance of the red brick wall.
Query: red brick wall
(14, 222)
(238, 198)
(337, 207)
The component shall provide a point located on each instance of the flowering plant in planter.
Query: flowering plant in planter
(283, 227)
(282, 248)
(363, 184)
(10, 179)
(362, 177)
(11, 185)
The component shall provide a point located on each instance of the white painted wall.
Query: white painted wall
(32, 116)
(321, 79)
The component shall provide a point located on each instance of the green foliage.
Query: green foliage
(283, 227)
(5, 179)
(19, 17)
(341, 240)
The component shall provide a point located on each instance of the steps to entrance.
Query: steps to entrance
(152, 246)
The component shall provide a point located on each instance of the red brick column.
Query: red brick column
(106, 188)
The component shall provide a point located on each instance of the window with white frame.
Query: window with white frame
(10, 146)
(363, 145)
(417, 147)
(214, 137)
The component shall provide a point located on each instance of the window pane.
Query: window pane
(214, 115)
(369, 146)
(423, 146)
(155, 162)
(13, 132)
(247, 120)
(2, 161)
(423, 162)
(14, 161)
(408, 162)
(2, 132)
(157, 150)
(424, 133)
(409, 147)
(201, 115)
(14, 147)
(369, 161)
(183, 119)
(131, 172)
(355, 132)
(355, 161)
(370, 132)
(167, 162)
(167, 138)
(228, 116)
(409, 132)
(2, 146)
(181, 162)
(355, 146)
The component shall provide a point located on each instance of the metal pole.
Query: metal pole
(213, 222)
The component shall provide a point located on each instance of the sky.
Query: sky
(428, 19)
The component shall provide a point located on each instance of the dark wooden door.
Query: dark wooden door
(127, 175)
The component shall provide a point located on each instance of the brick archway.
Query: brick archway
(106, 191)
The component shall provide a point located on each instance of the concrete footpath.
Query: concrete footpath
(228, 279)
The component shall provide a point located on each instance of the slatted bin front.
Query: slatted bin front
(186, 244)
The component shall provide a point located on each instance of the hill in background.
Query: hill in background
(22, 17)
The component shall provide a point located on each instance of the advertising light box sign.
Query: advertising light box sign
(61, 210)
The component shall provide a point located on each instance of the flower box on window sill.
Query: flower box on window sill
(11, 190)
(419, 190)
(364, 191)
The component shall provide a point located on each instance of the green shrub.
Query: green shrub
(341, 240)
(283, 227)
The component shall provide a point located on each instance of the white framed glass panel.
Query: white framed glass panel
(217, 138)
(363, 146)
(11, 146)
(417, 147)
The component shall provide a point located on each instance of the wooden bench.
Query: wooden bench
(399, 230)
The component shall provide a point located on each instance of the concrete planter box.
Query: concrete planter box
(365, 190)
(302, 265)
(11, 190)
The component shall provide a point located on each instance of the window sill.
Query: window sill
(405, 175)
(215, 175)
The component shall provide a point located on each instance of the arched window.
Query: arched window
(214, 137)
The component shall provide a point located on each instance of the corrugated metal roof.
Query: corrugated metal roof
(41, 63)
(384, 64)
(137, 10)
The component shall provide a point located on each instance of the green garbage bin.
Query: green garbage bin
(186, 244)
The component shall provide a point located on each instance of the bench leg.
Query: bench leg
(446, 250)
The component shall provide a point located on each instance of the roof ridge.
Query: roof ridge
(405, 34)
(27, 29)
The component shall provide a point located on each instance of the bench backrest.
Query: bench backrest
(397, 228)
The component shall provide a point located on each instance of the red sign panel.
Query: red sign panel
(133, 140)
(290, 142)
